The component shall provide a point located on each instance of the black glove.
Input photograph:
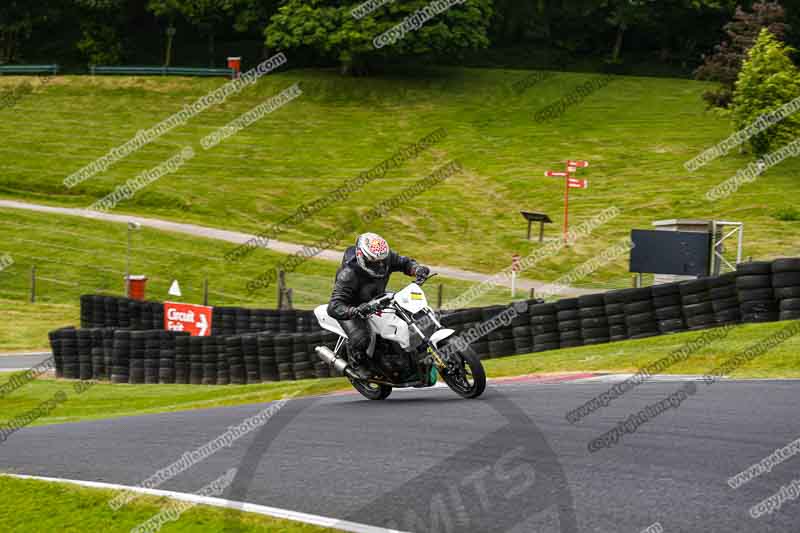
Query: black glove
(422, 273)
(365, 310)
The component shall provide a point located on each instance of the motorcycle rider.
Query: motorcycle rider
(363, 276)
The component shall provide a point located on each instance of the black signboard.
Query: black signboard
(671, 252)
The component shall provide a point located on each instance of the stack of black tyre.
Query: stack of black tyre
(786, 286)
(614, 303)
(544, 327)
(136, 356)
(57, 338)
(223, 321)
(250, 354)
(196, 360)
(521, 330)
(272, 320)
(302, 367)
(267, 367)
(668, 308)
(283, 346)
(166, 365)
(287, 321)
(725, 299)
(756, 297)
(696, 302)
(69, 353)
(85, 340)
(258, 320)
(569, 323)
(98, 360)
(120, 356)
(640, 317)
(235, 357)
(152, 356)
(145, 315)
(182, 359)
(210, 349)
(223, 364)
(594, 321)
(501, 340)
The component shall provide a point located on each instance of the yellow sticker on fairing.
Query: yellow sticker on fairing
(416, 296)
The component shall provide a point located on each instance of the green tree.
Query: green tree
(101, 22)
(208, 16)
(328, 28)
(768, 80)
(724, 64)
(18, 18)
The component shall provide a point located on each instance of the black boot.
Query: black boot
(358, 365)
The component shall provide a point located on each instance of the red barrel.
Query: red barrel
(137, 286)
(235, 63)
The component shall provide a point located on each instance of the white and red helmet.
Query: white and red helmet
(372, 252)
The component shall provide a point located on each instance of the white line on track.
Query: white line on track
(322, 521)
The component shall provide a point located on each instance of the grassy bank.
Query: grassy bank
(637, 133)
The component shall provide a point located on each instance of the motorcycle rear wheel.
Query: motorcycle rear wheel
(469, 379)
(371, 391)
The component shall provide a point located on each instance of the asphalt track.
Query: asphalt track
(507, 462)
(11, 363)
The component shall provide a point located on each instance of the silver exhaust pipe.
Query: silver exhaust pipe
(339, 365)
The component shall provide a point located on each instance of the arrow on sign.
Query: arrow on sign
(202, 325)
(551, 174)
(574, 183)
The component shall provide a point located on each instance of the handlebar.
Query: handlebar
(421, 282)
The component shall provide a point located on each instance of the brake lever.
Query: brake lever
(422, 282)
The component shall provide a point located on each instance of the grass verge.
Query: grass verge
(33, 506)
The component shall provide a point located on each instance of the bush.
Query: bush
(767, 81)
(787, 214)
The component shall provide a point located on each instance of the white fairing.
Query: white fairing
(390, 327)
(412, 299)
(441, 335)
(327, 322)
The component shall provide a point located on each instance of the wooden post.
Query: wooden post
(33, 284)
(281, 287)
(533, 293)
(439, 294)
(529, 229)
(541, 232)
(205, 291)
(289, 298)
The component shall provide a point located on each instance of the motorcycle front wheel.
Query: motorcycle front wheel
(464, 373)
(371, 391)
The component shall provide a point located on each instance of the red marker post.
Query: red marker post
(569, 183)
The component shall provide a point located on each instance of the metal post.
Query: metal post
(439, 294)
(739, 246)
(533, 293)
(205, 291)
(128, 265)
(566, 208)
(33, 284)
(513, 283)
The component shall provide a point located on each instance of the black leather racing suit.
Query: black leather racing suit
(353, 287)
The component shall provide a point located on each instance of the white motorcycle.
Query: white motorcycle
(409, 348)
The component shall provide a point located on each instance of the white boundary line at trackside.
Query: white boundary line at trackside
(274, 512)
